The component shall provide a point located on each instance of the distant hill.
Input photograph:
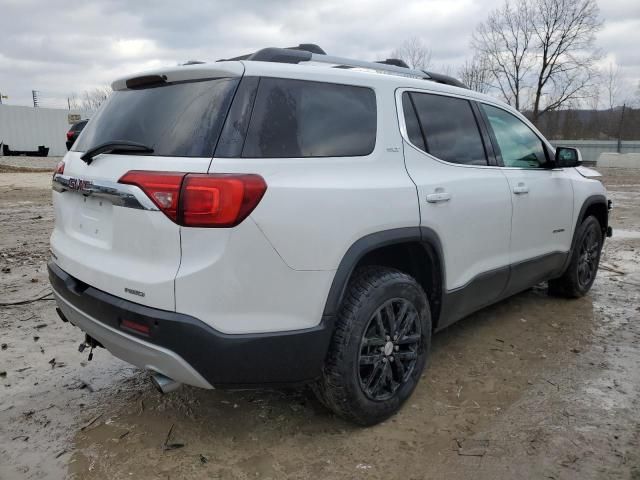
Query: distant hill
(590, 124)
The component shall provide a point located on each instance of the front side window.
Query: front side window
(298, 118)
(449, 128)
(519, 146)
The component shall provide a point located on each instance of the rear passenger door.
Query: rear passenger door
(463, 195)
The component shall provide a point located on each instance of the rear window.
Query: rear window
(180, 119)
(297, 118)
(449, 129)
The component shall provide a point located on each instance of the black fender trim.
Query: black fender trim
(589, 201)
(370, 243)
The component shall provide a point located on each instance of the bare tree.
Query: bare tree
(541, 50)
(504, 40)
(564, 36)
(476, 74)
(414, 52)
(612, 84)
(89, 99)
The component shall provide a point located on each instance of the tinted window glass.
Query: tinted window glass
(182, 119)
(450, 129)
(519, 146)
(77, 127)
(411, 122)
(296, 118)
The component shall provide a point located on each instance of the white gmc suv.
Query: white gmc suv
(289, 217)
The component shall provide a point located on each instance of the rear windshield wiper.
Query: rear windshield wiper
(124, 146)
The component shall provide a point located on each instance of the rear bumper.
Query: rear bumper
(185, 348)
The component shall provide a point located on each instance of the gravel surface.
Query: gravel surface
(47, 163)
(533, 387)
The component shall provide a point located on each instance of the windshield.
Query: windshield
(180, 119)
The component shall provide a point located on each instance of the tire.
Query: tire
(585, 258)
(366, 378)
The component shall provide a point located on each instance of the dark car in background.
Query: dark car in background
(74, 131)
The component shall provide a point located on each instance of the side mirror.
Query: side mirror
(568, 157)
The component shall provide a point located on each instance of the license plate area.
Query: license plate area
(92, 220)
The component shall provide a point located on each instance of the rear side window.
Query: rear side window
(180, 119)
(297, 118)
(449, 128)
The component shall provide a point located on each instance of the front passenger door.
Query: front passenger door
(542, 199)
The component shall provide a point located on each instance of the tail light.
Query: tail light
(70, 134)
(201, 200)
(59, 168)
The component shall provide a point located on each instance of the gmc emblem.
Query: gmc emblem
(79, 184)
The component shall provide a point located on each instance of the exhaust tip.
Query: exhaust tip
(164, 384)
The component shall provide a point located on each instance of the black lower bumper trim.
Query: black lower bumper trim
(222, 359)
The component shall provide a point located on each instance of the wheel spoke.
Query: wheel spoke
(391, 318)
(375, 386)
(380, 325)
(401, 318)
(399, 369)
(370, 359)
(406, 355)
(373, 342)
(408, 340)
(409, 319)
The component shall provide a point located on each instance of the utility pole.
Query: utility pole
(34, 94)
(624, 106)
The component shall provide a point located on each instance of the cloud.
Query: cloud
(61, 47)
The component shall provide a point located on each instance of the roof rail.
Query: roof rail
(309, 52)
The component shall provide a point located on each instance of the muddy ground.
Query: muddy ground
(534, 387)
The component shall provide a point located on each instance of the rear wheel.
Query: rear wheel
(379, 348)
(585, 258)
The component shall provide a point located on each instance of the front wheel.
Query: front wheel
(585, 258)
(379, 347)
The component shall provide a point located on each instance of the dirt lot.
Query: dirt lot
(534, 387)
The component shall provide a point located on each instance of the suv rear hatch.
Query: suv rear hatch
(111, 235)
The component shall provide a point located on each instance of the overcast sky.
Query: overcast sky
(60, 47)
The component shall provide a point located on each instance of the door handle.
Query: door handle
(520, 189)
(438, 197)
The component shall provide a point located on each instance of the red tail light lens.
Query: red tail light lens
(163, 188)
(222, 200)
(201, 200)
(59, 169)
(70, 135)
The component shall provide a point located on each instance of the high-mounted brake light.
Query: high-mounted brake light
(201, 200)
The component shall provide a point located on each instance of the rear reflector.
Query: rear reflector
(135, 326)
(201, 200)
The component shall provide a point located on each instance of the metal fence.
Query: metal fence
(591, 149)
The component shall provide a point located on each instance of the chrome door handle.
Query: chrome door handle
(520, 189)
(438, 197)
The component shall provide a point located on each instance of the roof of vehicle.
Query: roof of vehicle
(307, 62)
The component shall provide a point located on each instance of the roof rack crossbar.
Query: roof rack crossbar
(349, 62)
(308, 52)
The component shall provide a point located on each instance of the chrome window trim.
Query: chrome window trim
(119, 194)
(405, 136)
